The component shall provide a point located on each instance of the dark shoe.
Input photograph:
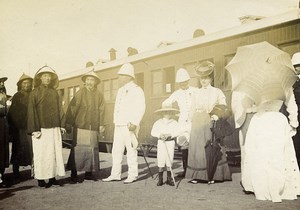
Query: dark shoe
(41, 183)
(160, 179)
(169, 179)
(51, 182)
(90, 176)
(74, 180)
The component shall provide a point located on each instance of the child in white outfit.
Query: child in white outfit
(165, 130)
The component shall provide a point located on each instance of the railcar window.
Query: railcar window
(290, 47)
(163, 81)
(72, 91)
(157, 82)
(110, 88)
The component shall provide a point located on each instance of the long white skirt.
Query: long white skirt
(270, 165)
(47, 154)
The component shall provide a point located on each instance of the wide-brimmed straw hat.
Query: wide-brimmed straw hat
(167, 108)
(204, 69)
(91, 74)
(24, 77)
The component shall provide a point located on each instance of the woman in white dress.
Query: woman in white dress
(270, 166)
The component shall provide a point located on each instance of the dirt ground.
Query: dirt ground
(142, 194)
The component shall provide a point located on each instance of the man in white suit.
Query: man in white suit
(128, 112)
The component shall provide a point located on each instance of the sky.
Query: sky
(65, 34)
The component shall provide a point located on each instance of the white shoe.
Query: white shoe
(110, 179)
(129, 180)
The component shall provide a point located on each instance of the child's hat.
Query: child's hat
(167, 108)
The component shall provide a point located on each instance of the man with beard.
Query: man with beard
(86, 114)
(17, 118)
(4, 149)
(44, 124)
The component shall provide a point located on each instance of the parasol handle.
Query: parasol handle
(212, 132)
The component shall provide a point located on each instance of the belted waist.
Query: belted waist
(169, 139)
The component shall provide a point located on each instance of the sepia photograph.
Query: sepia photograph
(139, 104)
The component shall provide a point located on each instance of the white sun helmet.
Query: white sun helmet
(296, 59)
(182, 75)
(127, 69)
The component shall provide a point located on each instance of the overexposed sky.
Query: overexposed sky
(65, 34)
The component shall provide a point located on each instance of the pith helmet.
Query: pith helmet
(205, 68)
(127, 69)
(182, 75)
(296, 59)
(91, 74)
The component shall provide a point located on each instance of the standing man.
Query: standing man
(17, 118)
(128, 113)
(183, 96)
(296, 86)
(4, 148)
(44, 124)
(86, 114)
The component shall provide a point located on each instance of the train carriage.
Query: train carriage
(155, 70)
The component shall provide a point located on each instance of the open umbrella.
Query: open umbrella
(213, 155)
(262, 71)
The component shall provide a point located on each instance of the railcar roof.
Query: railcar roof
(219, 35)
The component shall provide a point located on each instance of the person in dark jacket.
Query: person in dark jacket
(44, 124)
(4, 145)
(17, 119)
(86, 114)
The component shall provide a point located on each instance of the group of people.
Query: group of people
(36, 121)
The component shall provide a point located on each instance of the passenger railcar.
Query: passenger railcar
(155, 70)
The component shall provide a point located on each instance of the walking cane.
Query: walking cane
(171, 164)
(144, 156)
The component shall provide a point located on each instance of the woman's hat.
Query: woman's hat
(91, 74)
(205, 68)
(167, 108)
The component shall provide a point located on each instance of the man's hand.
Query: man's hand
(37, 134)
(214, 117)
(63, 131)
(131, 127)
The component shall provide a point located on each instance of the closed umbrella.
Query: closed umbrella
(213, 155)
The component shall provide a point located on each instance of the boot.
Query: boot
(160, 179)
(41, 183)
(51, 182)
(169, 179)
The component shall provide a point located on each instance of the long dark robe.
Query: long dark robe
(17, 118)
(43, 109)
(85, 113)
(4, 144)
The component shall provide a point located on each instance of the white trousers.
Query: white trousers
(165, 153)
(123, 138)
(47, 154)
